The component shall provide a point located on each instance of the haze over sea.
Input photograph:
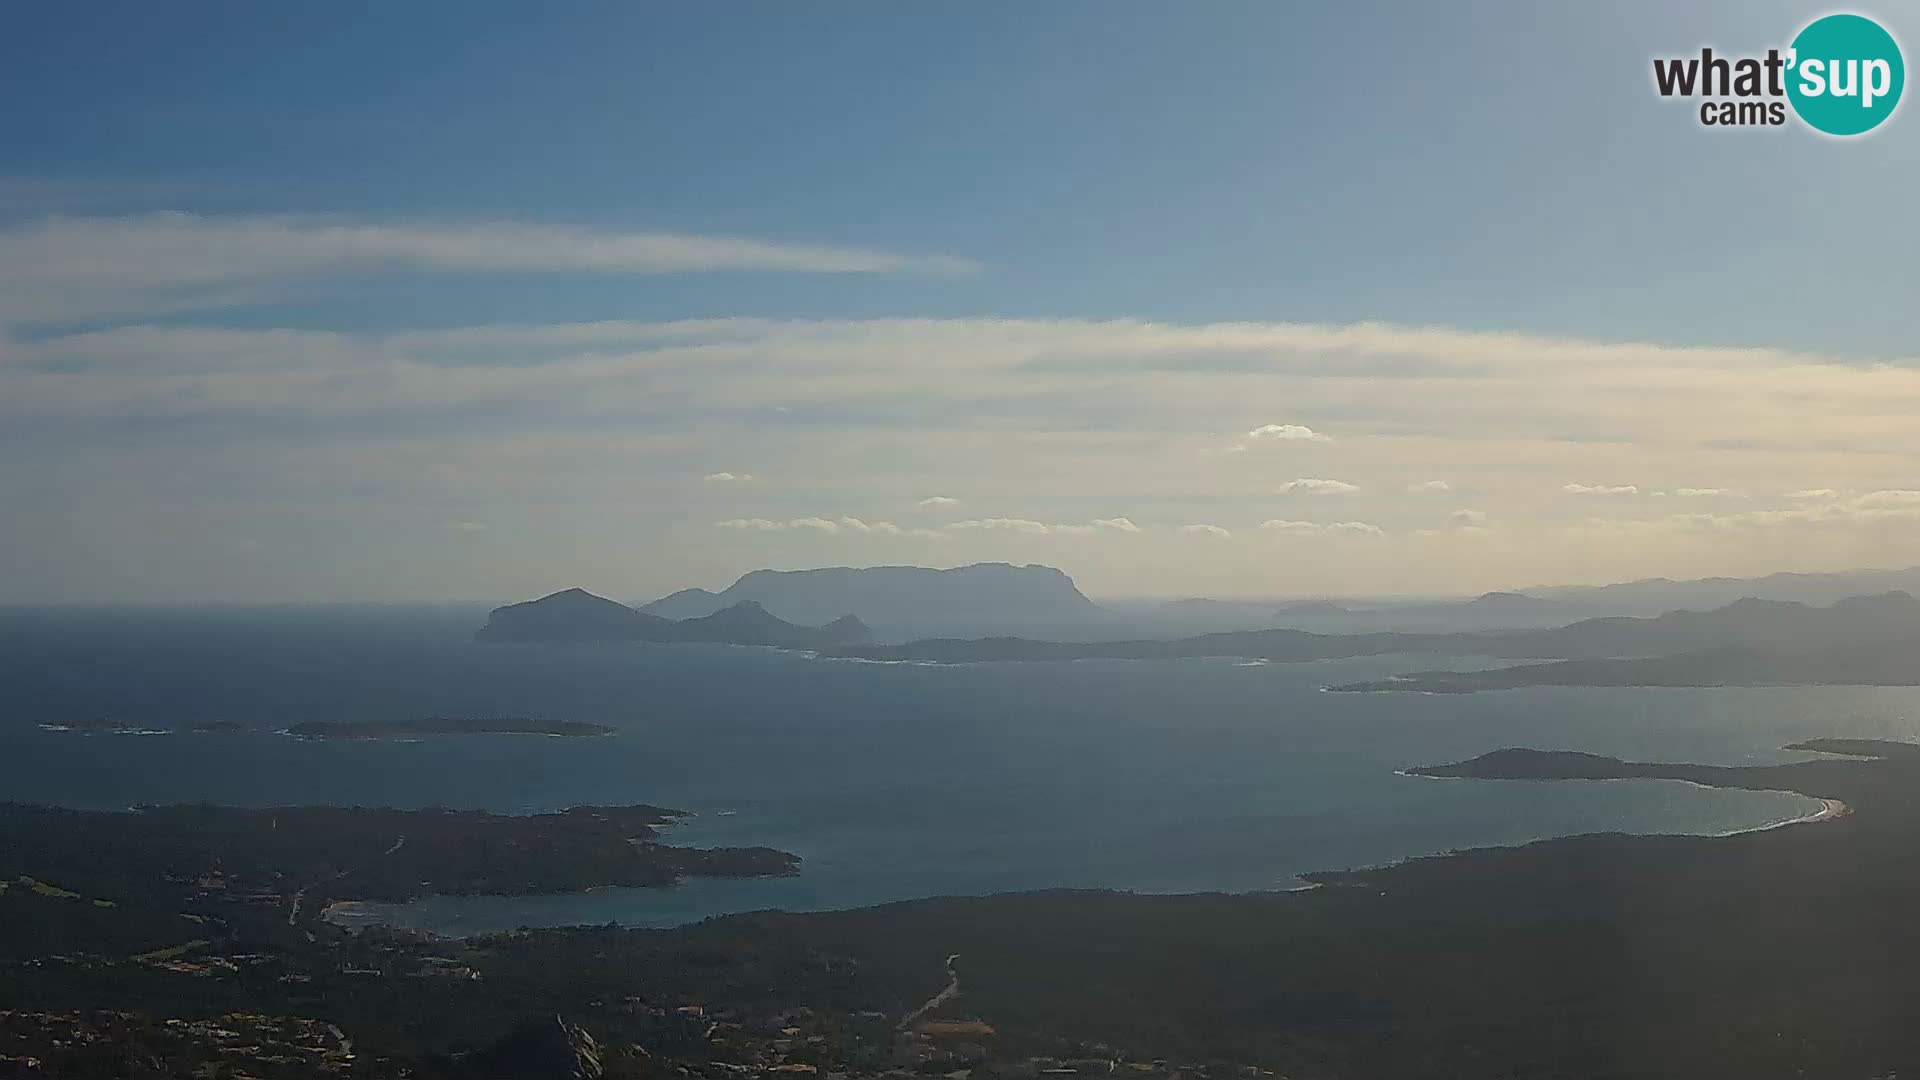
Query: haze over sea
(891, 781)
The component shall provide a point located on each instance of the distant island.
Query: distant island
(1519, 763)
(103, 726)
(575, 615)
(982, 594)
(445, 725)
(1862, 640)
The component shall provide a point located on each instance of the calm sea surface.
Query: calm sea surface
(891, 781)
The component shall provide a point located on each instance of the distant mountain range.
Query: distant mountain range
(1871, 639)
(1664, 594)
(980, 595)
(1868, 640)
(579, 616)
(1859, 641)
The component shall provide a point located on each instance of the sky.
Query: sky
(453, 301)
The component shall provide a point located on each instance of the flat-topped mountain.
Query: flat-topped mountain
(982, 594)
(578, 615)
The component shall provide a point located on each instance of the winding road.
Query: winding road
(952, 991)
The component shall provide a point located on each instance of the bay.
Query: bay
(891, 781)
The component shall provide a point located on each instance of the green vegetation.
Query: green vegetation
(1780, 953)
(172, 952)
(41, 888)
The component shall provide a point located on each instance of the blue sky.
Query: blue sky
(255, 266)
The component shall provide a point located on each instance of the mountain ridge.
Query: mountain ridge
(977, 593)
(575, 615)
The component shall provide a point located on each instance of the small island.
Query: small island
(102, 726)
(446, 725)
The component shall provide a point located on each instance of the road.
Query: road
(300, 895)
(952, 991)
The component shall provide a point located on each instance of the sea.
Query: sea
(891, 781)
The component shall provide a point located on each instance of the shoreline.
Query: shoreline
(1830, 808)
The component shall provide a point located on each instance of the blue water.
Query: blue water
(891, 781)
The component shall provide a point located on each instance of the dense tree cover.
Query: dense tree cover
(1780, 953)
(336, 852)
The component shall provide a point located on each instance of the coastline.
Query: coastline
(1829, 810)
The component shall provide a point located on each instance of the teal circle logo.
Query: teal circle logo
(1845, 74)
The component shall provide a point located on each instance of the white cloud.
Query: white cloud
(1469, 518)
(579, 423)
(469, 527)
(1214, 531)
(1431, 487)
(1354, 528)
(887, 528)
(727, 478)
(75, 267)
(1310, 486)
(1285, 433)
(852, 525)
(1707, 493)
(1024, 525)
(1600, 489)
(1896, 497)
(1813, 494)
(937, 502)
(1041, 528)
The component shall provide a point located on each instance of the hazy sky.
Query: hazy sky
(435, 301)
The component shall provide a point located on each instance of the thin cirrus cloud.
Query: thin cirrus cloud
(1308, 485)
(831, 526)
(1827, 509)
(1322, 528)
(76, 267)
(875, 409)
(1600, 489)
(1041, 528)
(860, 526)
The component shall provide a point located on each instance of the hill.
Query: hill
(1651, 595)
(572, 615)
(1860, 641)
(577, 615)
